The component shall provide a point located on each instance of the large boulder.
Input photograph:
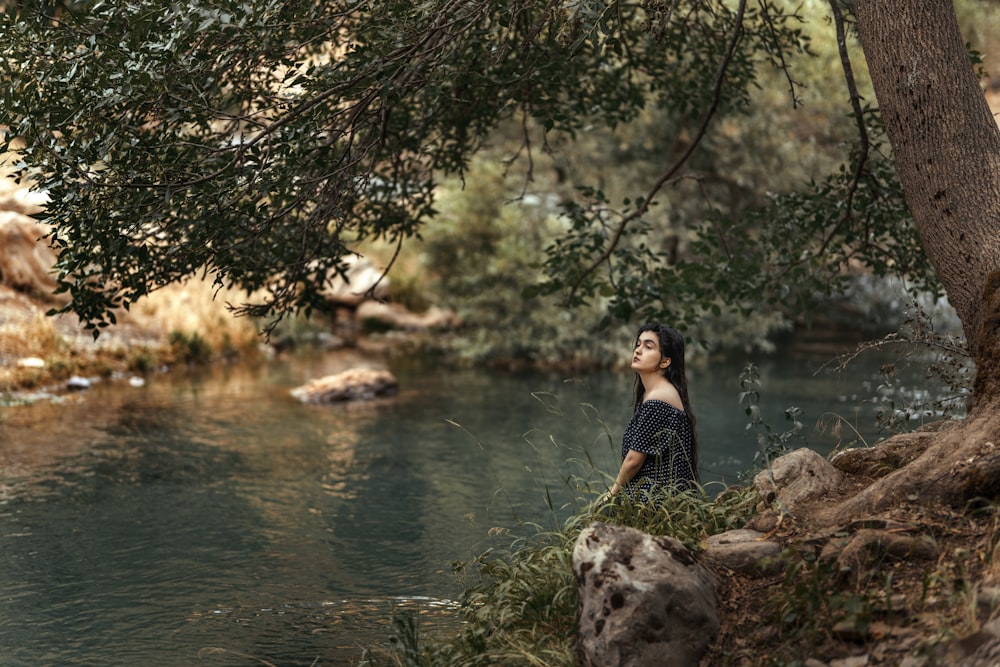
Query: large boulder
(349, 385)
(644, 600)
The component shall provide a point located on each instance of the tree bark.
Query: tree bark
(947, 150)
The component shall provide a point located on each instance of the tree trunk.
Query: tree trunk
(947, 150)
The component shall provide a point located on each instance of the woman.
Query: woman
(659, 448)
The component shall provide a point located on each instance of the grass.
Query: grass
(186, 324)
(522, 607)
(194, 313)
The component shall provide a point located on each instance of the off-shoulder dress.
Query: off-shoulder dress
(663, 433)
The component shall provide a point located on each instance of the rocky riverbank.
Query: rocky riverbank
(179, 324)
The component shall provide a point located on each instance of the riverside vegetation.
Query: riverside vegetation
(523, 610)
(521, 607)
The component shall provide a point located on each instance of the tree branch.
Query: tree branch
(643, 208)
(845, 62)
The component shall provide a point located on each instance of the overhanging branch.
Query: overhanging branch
(667, 175)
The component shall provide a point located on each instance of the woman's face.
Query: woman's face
(646, 356)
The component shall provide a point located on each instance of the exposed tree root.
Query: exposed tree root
(957, 465)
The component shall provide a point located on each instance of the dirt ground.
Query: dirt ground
(890, 610)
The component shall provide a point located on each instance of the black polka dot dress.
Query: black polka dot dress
(663, 433)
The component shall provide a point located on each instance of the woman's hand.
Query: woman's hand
(610, 495)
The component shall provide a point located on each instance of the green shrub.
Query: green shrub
(190, 348)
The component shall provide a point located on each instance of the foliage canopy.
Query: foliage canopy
(265, 142)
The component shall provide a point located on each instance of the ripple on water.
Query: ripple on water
(290, 632)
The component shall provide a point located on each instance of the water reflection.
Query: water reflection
(213, 517)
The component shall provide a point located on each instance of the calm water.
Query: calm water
(214, 520)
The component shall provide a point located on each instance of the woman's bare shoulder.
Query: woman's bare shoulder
(666, 393)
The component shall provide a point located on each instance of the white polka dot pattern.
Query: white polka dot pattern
(663, 433)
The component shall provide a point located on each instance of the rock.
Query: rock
(980, 649)
(31, 362)
(395, 316)
(361, 281)
(25, 262)
(852, 661)
(18, 196)
(644, 600)
(77, 383)
(764, 521)
(349, 385)
(797, 477)
(744, 551)
(987, 600)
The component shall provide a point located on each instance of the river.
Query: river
(209, 518)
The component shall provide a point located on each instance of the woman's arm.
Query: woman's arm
(630, 468)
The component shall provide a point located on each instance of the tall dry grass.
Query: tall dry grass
(196, 308)
(26, 334)
(186, 323)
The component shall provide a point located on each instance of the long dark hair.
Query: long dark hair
(672, 347)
